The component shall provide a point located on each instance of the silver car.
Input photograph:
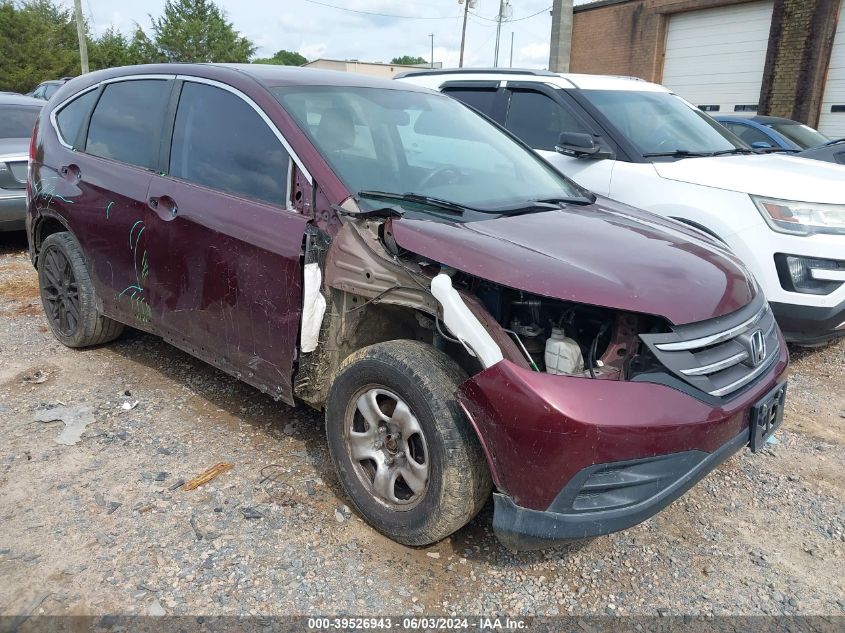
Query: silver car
(17, 118)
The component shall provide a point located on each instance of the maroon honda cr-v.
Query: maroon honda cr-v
(467, 317)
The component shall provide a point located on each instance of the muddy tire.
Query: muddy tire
(404, 453)
(67, 295)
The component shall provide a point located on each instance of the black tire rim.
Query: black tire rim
(60, 292)
(388, 448)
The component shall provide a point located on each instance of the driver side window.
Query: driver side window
(538, 120)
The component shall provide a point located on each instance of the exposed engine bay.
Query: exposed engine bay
(560, 337)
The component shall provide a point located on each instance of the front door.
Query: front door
(538, 119)
(224, 245)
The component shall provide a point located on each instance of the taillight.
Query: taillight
(29, 165)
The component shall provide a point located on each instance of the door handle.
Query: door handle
(71, 172)
(165, 206)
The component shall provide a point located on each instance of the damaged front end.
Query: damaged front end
(586, 426)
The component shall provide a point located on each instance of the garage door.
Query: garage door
(716, 57)
(832, 121)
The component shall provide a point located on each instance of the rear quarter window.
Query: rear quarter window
(71, 117)
(127, 121)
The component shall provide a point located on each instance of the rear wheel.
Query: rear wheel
(404, 452)
(67, 295)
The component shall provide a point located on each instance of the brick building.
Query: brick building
(779, 57)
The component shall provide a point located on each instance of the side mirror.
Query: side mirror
(579, 145)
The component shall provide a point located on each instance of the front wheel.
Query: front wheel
(404, 452)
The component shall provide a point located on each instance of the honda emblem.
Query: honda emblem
(757, 348)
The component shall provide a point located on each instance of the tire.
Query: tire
(67, 295)
(449, 481)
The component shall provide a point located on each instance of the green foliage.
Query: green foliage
(408, 60)
(197, 31)
(283, 58)
(109, 50)
(37, 42)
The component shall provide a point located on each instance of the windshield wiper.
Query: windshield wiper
(735, 150)
(440, 203)
(835, 141)
(678, 153)
(558, 202)
(446, 205)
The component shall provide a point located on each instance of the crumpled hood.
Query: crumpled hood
(607, 254)
(771, 175)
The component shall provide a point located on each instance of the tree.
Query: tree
(283, 58)
(197, 31)
(37, 42)
(109, 50)
(407, 60)
(142, 50)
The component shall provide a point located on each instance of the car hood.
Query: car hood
(14, 147)
(606, 254)
(770, 175)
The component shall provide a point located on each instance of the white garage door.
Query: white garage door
(832, 121)
(716, 57)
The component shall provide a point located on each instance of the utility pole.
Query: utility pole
(463, 32)
(511, 65)
(431, 35)
(499, 19)
(80, 33)
(561, 44)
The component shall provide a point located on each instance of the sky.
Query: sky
(314, 30)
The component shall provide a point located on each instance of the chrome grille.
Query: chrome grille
(722, 355)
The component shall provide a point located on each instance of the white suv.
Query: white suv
(640, 144)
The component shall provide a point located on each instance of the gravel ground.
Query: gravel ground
(96, 527)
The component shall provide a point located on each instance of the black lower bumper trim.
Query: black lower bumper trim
(521, 528)
(809, 325)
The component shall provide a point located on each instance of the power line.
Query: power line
(525, 17)
(382, 15)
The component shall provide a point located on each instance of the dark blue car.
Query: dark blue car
(776, 132)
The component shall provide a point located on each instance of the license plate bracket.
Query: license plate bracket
(767, 417)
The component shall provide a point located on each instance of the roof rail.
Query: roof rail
(475, 71)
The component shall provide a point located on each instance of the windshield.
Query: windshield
(398, 141)
(802, 135)
(661, 122)
(17, 121)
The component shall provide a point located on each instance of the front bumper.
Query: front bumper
(546, 436)
(660, 480)
(13, 213)
(810, 325)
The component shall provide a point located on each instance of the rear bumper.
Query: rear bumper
(667, 477)
(13, 213)
(545, 436)
(810, 325)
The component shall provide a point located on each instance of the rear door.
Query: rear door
(224, 241)
(538, 115)
(120, 146)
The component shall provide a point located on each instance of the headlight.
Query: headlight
(801, 218)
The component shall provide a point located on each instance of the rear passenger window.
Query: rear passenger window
(127, 121)
(71, 117)
(220, 141)
(538, 120)
(480, 99)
